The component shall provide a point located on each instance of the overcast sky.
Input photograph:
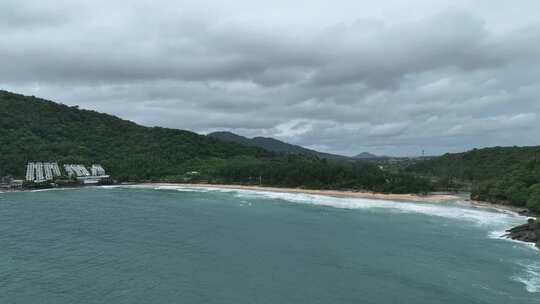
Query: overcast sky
(342, 76)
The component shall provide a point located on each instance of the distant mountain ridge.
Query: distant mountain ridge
(272, 144)
(367, 155)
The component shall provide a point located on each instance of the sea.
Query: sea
(169, 244)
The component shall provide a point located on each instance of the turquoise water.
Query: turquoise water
(177, 245)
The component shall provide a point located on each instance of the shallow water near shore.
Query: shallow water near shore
(178, 244)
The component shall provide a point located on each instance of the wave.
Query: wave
(461, 211)
(530, 278)
(501, 235)
(166, 187)
(40, 190)
(107, 186)
(53, 189)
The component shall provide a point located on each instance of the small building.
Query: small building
(95, 176)
(5, 180)
(97, 170)
(16, 183)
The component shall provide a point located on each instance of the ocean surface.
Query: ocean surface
(181, 245)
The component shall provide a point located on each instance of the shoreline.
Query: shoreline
(431, 197)
(428, 198)
(434, 197)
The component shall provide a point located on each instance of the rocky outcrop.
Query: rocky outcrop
(529, 232)
(527, 213)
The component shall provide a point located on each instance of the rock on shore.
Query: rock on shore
(529, 232)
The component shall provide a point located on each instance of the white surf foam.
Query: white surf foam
(178, 188)
(108, 186)
(500, 235)
(500, 219)
(53, 189)
(477, 215)
(530, 278)
(194, 189)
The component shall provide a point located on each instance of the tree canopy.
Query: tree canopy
(507, 175)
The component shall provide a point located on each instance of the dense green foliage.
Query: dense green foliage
(33, 129)
(36, 129)
(315, 173)
(508, 175)
(274, 145)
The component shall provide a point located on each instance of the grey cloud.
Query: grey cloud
(203, 51)
(25, 16)
(447, 40)
(441, 82)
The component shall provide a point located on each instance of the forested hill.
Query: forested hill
(272, 144)
(41, 130)
(508, 175)
(33, 129)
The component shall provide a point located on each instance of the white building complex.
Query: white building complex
(41, 172)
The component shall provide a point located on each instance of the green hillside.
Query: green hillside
(41, 130)
(33, 129)
(508, 175)
(272, 144)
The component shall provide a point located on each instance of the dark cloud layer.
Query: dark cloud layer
(454, 76)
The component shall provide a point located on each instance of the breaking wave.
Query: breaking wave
(531, 277)
(499, 219)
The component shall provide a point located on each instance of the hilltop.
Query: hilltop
(272, 144)
(367, 155)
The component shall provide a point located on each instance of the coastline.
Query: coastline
(428, 198)
(434, 197)
(518, 210)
